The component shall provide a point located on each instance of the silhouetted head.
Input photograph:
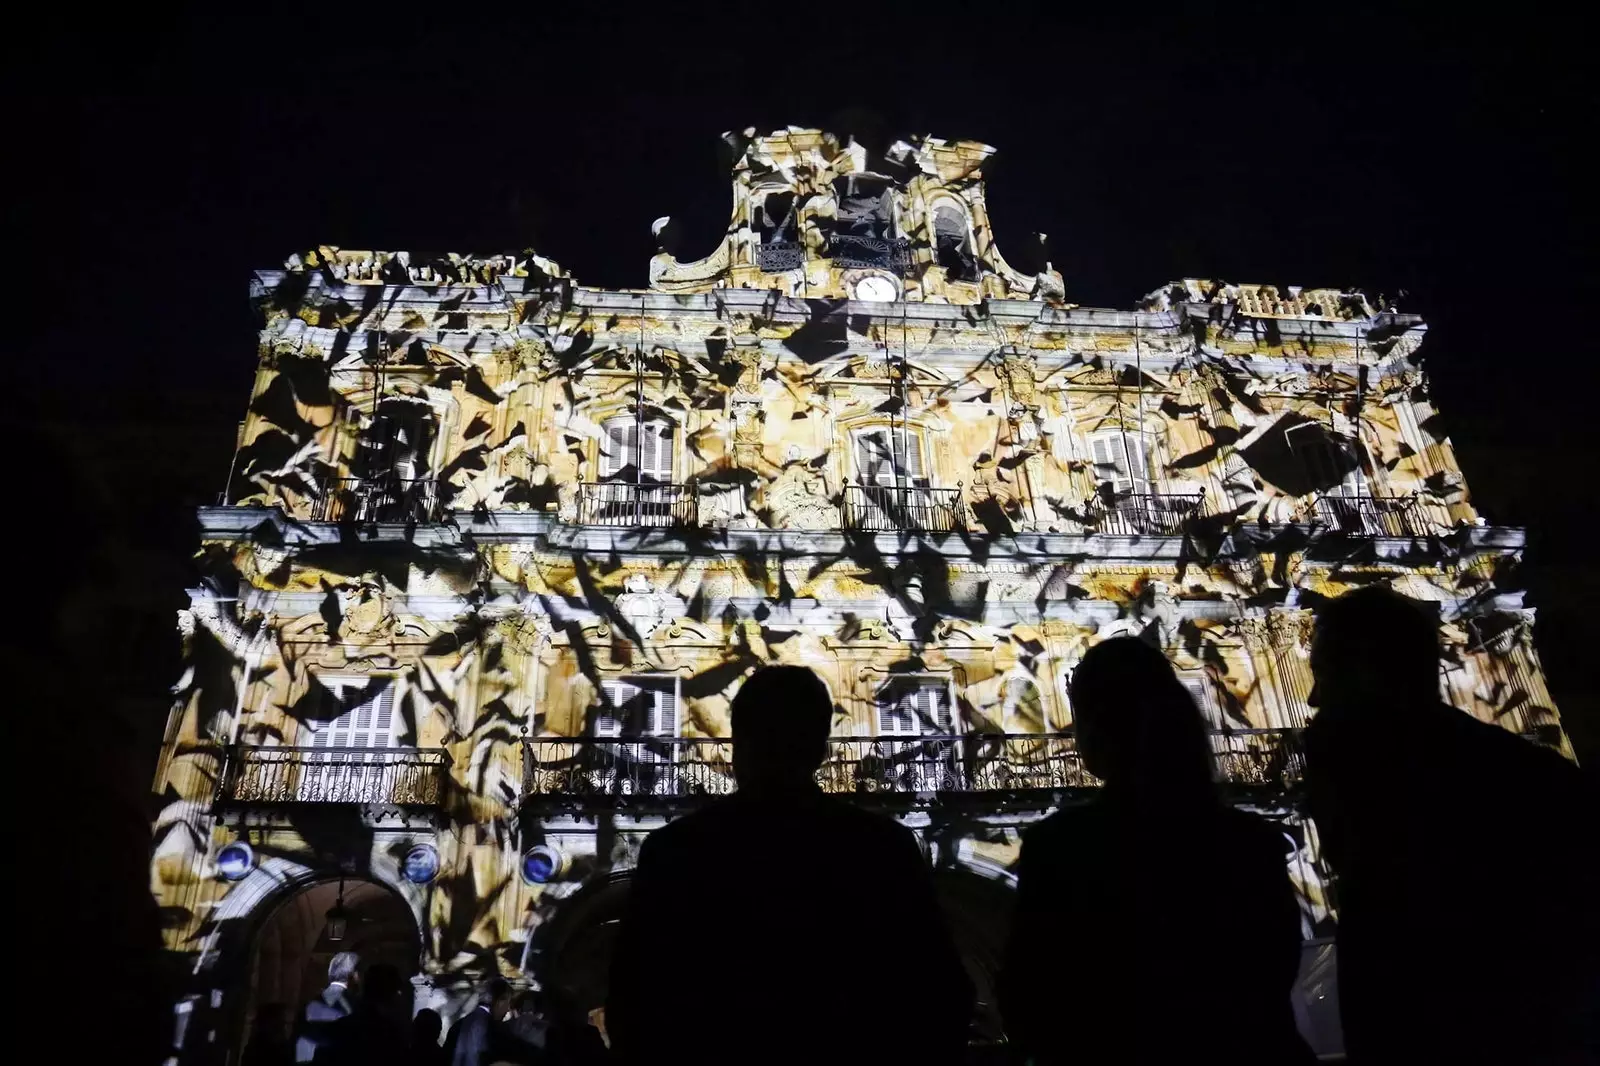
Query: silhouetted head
(525, 1002)
(1374, 648)
(497, 997)
(426, 1028)
(382, 985)
(1137, 726)
(343, 966)
(781, 719)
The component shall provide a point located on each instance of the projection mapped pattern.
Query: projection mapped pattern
(499, 549)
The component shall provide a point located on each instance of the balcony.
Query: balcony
(893, 508)
(780, 256)
(363, 500)
(612, 503)
(390, 777)
(849, 250)
(645, 769)
(1371, 516)
(1143, 514)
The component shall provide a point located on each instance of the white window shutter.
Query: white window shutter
(617, 446)
(664, 708)
(617, 694)
(1138, 461)
(912, 454)
(383, 717)
(874, 465)
(655, 447)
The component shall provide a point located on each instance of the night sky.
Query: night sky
(166, 158)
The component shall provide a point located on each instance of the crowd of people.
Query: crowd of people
(1154, 923)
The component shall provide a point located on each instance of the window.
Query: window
(1331, 461)
(952, 244)
(1199, 689)
(1022, 710)
(887, 455)
(774, 218)
(863, 206)
(358, 712)
(915, 707)
(639, 706)
(629, 446)
(395, 443)
(1121, 459)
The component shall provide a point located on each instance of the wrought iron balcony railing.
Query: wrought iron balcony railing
(685, 768)
(1371, 516)
(400, 777)
(614, 503)
(354, 499)
(780, 256)
(1151, 514)
(890, 508)
(850, 250)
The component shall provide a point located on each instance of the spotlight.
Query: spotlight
(236, 860)
(542, 864)
(422, 864)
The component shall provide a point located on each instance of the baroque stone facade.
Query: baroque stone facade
(498, 550)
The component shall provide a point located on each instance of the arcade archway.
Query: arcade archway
(293, 944)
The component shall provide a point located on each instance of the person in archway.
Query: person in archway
(333, 1003)
(1465, 857)
(1155, 923)
(783, 925)
(480, 1039)
(426, 1029)
(374, 1033)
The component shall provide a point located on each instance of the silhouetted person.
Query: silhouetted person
(529, 1025)
(1465, 856)
(426, 1029)
(375, 1032)
(333, 1003)
(782, 925)
(1153, 924)
(271, 1042)
(479, 1039)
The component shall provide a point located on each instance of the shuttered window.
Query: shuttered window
(1200, 691)
(915, 708)
(884, 452)
(1328, 459)
(1123, 459)
(639, 706)
(359, 712)
(627, 445)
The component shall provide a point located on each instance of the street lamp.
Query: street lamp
(338, 917)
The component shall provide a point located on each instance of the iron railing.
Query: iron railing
(403, 777)
(779, 256)
(850, 250)
(1370, 516)
(616, 503)
(890, 508)
(681, 768)
(1134, 514)
(355, 499)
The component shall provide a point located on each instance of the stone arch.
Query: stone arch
(221, 1005)
(571, 950)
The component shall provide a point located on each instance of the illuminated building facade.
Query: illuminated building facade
(498, 549)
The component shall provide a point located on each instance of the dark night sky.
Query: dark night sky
(1270, 144)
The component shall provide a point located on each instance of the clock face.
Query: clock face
(875, 288)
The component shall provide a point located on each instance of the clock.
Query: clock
(875, 288)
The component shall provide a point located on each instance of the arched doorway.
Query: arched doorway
(293, 944)
(575, 960)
